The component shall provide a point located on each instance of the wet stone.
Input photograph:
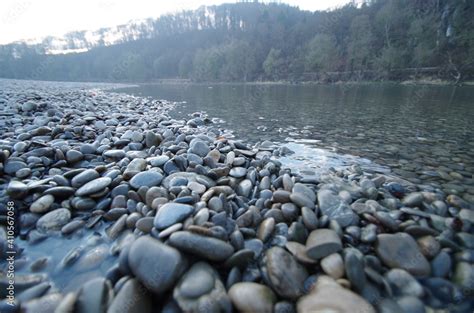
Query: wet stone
(199, 147)
(413, 199)
(286, 275)
(73, 156)
(207, 247)
(156, 265)
(401, 251)
(147, 178)
(252, 297)
(327, 295)
(53, 220)
(131, 289)
(84, 177)
(404, 283)
(333, 265)
(42, 205)
(335, 208)
(171, 213)
(94, 186)
(322, 242)
(200, 288)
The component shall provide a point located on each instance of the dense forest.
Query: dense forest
(250, 41)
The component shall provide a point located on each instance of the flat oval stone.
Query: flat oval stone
(238, 172)
(54, 220)
(94, 186)
(206, 247)
(60, 191)
(42, 204)
(16, 189)
(401, 251)
(147, 178)
(114, 154)
(12, 166)
(84, 177)
(172, 213)
(322, 242)
(301, 200)
(190, 177)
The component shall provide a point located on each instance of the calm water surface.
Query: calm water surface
(423, 133)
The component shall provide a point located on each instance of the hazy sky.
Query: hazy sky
(27, 19)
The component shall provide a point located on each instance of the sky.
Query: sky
(29, 19)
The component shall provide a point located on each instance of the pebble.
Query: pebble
(266, 228)
(401, 251)
(170, 214)
(252, 297)
(132, 297)
(329, 296)
(114, 154)
(73, 156)
(206, 247)
(285, 274)
(354, 268)
(335, 208)
(42, 204)
(411, 304)
(429, 246)
(199, 147)
(321, 243)
(53, 220)
(16, 189)
(94, 296)
(301, 200)
(84, 177)
(156, 265)
(464, 276)
(147, 178)
(413, 199)
(94, 186)
(199, 288)
(333, 265)
(309, 218)
(403, 283)
(441, 265)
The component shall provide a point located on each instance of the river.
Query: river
(422, 133)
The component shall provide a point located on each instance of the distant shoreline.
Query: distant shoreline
(408, 82)
(421, 81)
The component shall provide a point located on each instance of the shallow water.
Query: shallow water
(93, 257)
(415, 130)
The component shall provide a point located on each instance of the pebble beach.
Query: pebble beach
(115, 206)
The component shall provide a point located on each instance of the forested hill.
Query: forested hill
(380, 40)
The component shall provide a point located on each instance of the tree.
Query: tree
(322, 54)
(274, 65)
(251, 41)
(360, 43)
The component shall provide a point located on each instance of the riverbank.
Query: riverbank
(430, 81)
(185, 219)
